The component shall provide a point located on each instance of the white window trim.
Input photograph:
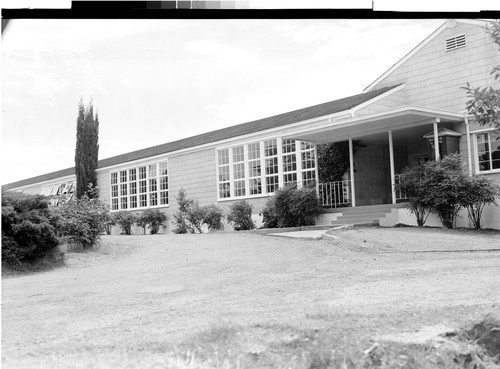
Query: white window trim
(476, 151)
(137, 181)
(279, 141)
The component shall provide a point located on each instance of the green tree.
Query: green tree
(484, 103)
(87, 148)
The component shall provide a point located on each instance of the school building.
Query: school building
(414, 111)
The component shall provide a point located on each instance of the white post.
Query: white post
(391, 159)
(469, 152)
(351, 164)
(436, 139)
(316, 174)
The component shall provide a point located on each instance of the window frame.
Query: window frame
(126, 192)
(249, 160)
(476, 152)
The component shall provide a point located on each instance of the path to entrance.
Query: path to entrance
(123, 305)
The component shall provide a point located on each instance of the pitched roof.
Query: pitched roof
(275, 121)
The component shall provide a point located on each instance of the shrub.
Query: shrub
(413, 184)
(444, 188)
(292, 207)
(85, 219)
(153, 219)
(191, 216)
(478, 191)
(28, 228)
(240, 213)
(213, 217)
(268, 213)
(108, 225)
(125, 220)
(181, 223)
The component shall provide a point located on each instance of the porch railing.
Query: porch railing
(335, 194)
(400, 195)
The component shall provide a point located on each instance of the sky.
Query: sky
(157, 81)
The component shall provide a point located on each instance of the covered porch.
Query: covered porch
(390, 141)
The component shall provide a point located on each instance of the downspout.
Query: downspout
(469, 153)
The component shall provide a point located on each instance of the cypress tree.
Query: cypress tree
(87, 149)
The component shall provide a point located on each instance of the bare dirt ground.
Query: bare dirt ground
(137, 299)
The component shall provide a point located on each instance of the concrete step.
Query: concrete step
(361, 215)
(356, 221)
(367, 210)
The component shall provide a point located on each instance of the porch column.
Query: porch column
(469, 152)
(436, 139)
(351, 165)
(393, 177)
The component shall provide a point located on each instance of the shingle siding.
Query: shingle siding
(196, 173)
(434, 77)
(392, 101)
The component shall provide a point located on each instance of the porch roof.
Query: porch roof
(407, 116)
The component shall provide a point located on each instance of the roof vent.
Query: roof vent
(455, 42)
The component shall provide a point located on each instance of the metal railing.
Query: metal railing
(335, 194)
(400, 195)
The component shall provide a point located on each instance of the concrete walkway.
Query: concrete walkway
(313, 234)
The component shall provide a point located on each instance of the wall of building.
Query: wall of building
(434, 77)
(392, 101)
(372, 175)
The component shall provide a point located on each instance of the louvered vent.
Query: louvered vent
(455, 42)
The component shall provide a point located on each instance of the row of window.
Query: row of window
(254, 169)
(262, 167)
(140, 187)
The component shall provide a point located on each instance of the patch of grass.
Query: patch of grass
(53, 259)
(346, 341)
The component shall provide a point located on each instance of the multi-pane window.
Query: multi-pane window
(260, 168)
(488, 152)
(289, 163)
(239, 171)
(308, 164)
(271, 165)
(223, 173)
(163, 175)
(254, 169)
(139, 187)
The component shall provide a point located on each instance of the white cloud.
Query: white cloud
(227, 56)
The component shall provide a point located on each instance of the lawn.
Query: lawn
(229, 300)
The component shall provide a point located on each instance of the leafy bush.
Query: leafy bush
(292, 207)
(213, 217)
(181, 223)
(28, 228)
(191, 217)
(153, 219)
(269, 216)
(443, 187)
(125, 220)
(240, 213)
(84, 221)
(478, 191)
(413, 183)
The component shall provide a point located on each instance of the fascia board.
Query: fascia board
(48, 181)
